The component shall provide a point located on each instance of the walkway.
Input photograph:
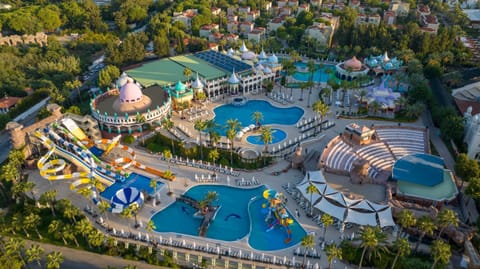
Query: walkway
(438, 142)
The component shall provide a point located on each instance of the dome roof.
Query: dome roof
(273, 59)
(230, 52)
(248, 55)
(243, 48)
(233, 78)
(197, 84)
(122, 80)
(259, 66)
(179, 86)
(385, 57)
(267, 70)
(353, 63)
(262, 55)
(130, 93)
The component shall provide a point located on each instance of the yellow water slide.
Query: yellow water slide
(49, 168)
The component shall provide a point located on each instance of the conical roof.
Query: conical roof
(262, 55)
(122, 80)
(179, 86)
(233, 78)
(197, 84)
(243, 48)
(273, 59)
(385, 57)
(230, 52)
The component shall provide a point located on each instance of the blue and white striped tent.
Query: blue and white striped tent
(126, 197)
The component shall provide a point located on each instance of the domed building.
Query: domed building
(181, 94)
(128, 108)
(382, 64)
(351, 69)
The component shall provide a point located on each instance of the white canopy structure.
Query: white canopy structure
(334, 203)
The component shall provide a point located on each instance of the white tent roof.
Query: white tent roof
(329, 190)
(377, 207)
(362, 205)
(349, 202)
(385, 218)
(337, 197)
(316, 176)
(361, 218)
(326, 207)
(315, 196)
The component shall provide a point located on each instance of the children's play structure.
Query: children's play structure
(276, 213)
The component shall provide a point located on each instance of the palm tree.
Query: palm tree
(150, 226)
(312, 68)
(327, 221)
(14, 247)
(54, 260)
(127, 213)
(295, 56)
(210, 197)
(55, 228)
(70, 211)
(213, 155)
(153, 185)
(427, 226)
(95, 238)
(333, 252)
(104, 207)
(87, 192)
(257, 116)
(200, 126)
(291, 70)
(34, 253)
(403, 248)
(322, 109)
(69, 232)
(18, 220)
(373, 241)
(134, 208)
(362, 94)
(401, 102)
(311, 189)
(168, 125)
(168, 155)
(214, 138)
(28, 187)
(308, 241)
(187, 73)
(49, 198)
(266, 135)
(84, 228)
(375, 107)
(303, 86)
(31, 222)
(441, 252)
(406, 219)
(233, 126)
(445, 218)
(327, 92)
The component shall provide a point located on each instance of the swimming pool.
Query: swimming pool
(271, 114)
(321, 75)
(278, 136)
(239, 215)
(142, 183)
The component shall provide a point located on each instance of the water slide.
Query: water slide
(49, 169)
(73, 128)
(125, 162)
(276, 213)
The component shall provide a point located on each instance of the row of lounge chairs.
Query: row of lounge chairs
(247, 182)
(281, 98)
(198, 164)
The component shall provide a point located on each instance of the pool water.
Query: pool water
(278, 136)
(142, 183)
(271, 114)
(320, 75)
(237, 217)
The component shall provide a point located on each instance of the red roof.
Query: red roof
(8, 102)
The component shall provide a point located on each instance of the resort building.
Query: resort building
(383, 95)
(128, 108)
(358, 135)
(351, 69)
(8, 103)
(214, 69)
(424, 179)
(321, 32)
(382, 64)
(473, 16)
(400, 8)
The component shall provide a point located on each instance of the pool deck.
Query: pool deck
(185, 180)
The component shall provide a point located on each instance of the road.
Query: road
(79, 259)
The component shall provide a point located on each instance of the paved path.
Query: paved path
(438, 142)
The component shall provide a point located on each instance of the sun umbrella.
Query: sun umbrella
(125, 197)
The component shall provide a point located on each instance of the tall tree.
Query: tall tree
(107, 75)
(308, 242)
(54, 260)
(327, 221)
(187, 73)
(31, 222)
(322, 109)
(402, 248)
(441, 252)
(373, 241)
(333, 252)
(445, 218)
(257, 117)
(200, 126)
(49, 198)
(233, 126)
(168, 125)
(406, 219)
(311, 189)
(427, 226)
(266, 135)
(34, 254)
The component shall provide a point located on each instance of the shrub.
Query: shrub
(128, 139)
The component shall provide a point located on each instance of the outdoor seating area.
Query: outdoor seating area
(378, 155)
(403, 142)
(281, 98)
(200, 164)
(341, 156)
(247, 182)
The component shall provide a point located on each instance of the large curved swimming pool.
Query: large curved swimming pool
(277, 136)
(322, 74)
(271, 114)
(240, 216)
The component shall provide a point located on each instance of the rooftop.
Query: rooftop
(472, 14)
(420, 169)
(8, 102)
